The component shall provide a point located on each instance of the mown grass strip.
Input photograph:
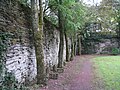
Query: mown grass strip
(108, 68)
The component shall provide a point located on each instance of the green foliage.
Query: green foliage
(3, 42)
(3, 47)
(25, 2)
(10, 83)
(115, 51)
(76, 15)
(108, 70)
(107, 14)
(73, 14)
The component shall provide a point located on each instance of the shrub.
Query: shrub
(115, 51)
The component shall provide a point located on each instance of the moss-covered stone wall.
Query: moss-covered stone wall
(20, 57)
(15, 19)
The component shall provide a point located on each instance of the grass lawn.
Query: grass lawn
(108, 68)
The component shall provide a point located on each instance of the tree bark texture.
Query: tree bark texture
(75, 43)
(38, 40)
(72, 48)
(67, 48)
(118, 32)
(61, 46)
(75, 46)
(79, 45)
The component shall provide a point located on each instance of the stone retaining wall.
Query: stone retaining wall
(20, 57)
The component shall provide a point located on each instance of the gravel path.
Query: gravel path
(78, 75)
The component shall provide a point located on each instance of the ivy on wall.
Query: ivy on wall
(7, 79)
(3, 48)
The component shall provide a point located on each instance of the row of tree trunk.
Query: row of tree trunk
(37, 22)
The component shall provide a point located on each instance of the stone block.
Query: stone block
(60, 70)
(53, 75)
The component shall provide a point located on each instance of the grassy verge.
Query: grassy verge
(108, 68)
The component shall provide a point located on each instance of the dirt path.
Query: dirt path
(78, 75)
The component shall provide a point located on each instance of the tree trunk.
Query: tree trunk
(67, 48)
(75, 43)
(72, 48)
(38, 40)
(118, 32)
(79, 45)
(61, 46)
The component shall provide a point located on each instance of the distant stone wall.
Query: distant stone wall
(103, 46)
(106, 46)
